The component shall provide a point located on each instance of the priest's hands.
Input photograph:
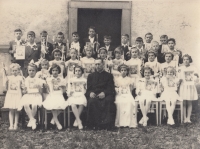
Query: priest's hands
(101, 95)
(92, 95)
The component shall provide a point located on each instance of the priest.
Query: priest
(100, 96)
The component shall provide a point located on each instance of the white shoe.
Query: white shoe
(33, 124)
(80, 126)
(75, 123)
(145, 121)
(170, 121)
(10, 128)
(185, 120)
(59, 126)
(52, 121)
(15, 127)
(141, 121)
(29, 124)
(188, 121)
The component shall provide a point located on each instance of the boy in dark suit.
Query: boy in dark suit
(76, 44)
(148, 39)
(125, 46)
(92, 40)
(110, 49)
(31, 52)
(59, 44)
(44, 46)
(12, 46)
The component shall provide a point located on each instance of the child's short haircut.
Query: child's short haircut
(60, 33)
(189, 57)
(164, 36)
(55, 66)
(32, 33)
(170, 54)
(43, 33)
(56, 50)
(171, 39)
(18, 30)
(139, 39)
(118, 49)
(92, 27)
(107, 37)
(148, 34)
(44, 61)
(126, 35)
(147, 68)
(75, 33)
(77, 66)
(102, 49)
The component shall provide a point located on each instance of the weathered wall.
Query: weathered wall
(35, 15)
(179, 19)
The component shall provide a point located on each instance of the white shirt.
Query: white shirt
(107, 47)
(75, 45)
(18, 41)
(31, 45)
(91, 39)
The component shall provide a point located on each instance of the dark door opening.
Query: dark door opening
(106, 22)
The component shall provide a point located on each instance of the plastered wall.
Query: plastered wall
(179, 19)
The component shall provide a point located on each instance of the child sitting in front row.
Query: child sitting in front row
(124, 100)
(32, 91)
(55, 100)
(169, 86)
(13, 96)
(146, 92)
(77, 96)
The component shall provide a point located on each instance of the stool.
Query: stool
(154, 106)
(178, 102)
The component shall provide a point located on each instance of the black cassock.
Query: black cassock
(100, 111)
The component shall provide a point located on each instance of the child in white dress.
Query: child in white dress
(57, 60)
(124, 100)
(146, 92)
(169, 86)
(14, 85)
(114, 64)
(103, 56)
(168, 62)
(188, 91)
(55, 100)
(69, 65)
(77, 96)
(32, 91)
(88, 62)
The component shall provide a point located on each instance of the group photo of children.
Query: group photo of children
(111, 85)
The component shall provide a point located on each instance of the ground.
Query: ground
(186, 136)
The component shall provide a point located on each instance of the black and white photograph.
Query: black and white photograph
(100, 74)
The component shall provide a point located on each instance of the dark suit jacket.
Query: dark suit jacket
(88, 40)
(48, 56)
(111, 49)
(125, 50)
(30, 54)
(13, 60)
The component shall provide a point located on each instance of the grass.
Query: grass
(155, 137)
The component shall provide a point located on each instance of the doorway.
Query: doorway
(106, 22)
